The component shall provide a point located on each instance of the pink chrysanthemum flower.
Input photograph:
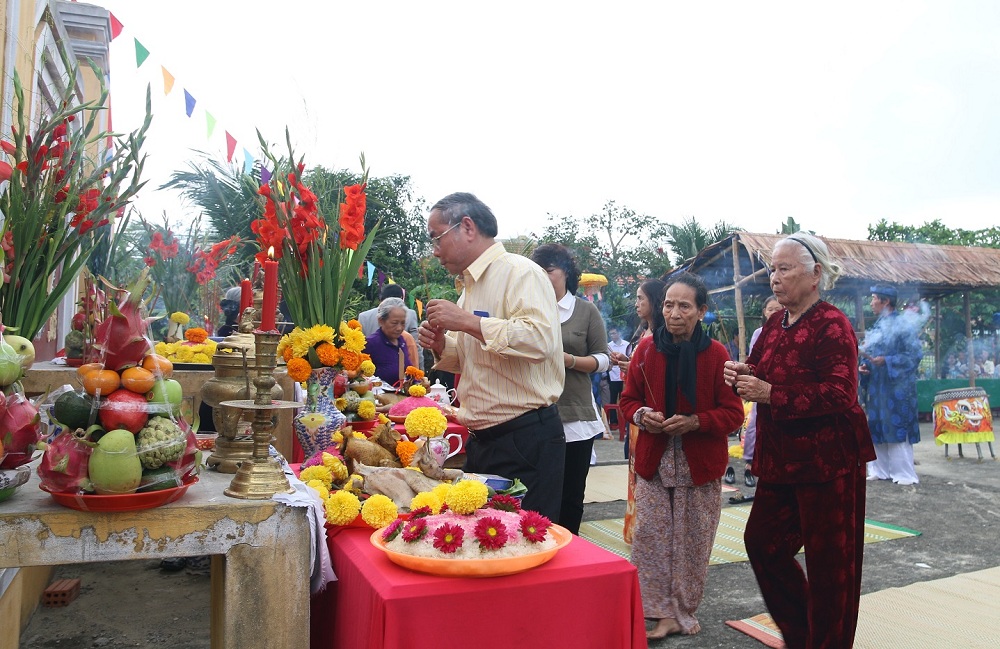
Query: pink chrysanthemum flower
(414, 530)
(392, 530)
(534, 526)
(448, 538)
(505, 503)
(490, 533)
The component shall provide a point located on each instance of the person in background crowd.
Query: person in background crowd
(675, 394)
(230, 305)
(389, 350)
(370, 324)
(812, 443)
(984, 366)
(771, 306)
(504, 337)
(618, 349)
(890, 357)
(585, 354)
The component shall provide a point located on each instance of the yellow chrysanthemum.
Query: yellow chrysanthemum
(301, 340)
(317, 472)
(417, 391)
(441, 491)
(366, 410)
(337, 468)
(185, 355)
(426, 499)
(299, 369)
(202, 358)
(320, 488)
(379, 511)
(354, 339)
(467, 496)
(180, 317)
(354, 483)
(382, 418)
(337, 438)
(427, 421)
(357, 434)
(341, 404)
(342, 507)
(367, 368)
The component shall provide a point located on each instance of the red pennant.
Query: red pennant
(116, 26)
(230, 146)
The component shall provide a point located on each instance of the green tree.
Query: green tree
(690, 237)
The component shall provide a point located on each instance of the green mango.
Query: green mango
(114, 465)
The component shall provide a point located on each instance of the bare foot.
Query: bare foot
(664, 627)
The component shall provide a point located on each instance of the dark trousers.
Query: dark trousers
(532, 448)
(828, 519)
(616, 391)
(575, 484)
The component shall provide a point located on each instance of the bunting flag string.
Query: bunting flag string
(420, 308)
(230, 147)
(189, 103)
(371, 271)
(168, 81)
(210, 123)
(248, 161)
(116, 27)
(141, 54)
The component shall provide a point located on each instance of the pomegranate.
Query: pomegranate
(124, 409)
(64, 465)
(20, 430)
(121, 337)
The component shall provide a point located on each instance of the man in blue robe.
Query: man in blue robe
(890, 356)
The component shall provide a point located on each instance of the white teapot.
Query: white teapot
(441, 394)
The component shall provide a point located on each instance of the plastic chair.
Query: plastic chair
(622, 426)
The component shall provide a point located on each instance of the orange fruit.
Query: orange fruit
(86, 368)
(158, 365)
(138, 379)
(105, 381)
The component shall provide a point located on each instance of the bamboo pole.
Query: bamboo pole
(967, 304)
(738, 297)
(937, 337)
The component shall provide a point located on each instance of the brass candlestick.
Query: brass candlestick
(261, 476)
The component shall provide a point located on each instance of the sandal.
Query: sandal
(739, 498)
(730, 477)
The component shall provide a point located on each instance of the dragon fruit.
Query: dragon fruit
(121, 337)
(188, 465)
(20, 429)
(64, 466)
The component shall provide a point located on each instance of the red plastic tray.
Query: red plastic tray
(120, 503)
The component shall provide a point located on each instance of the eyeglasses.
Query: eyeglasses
(436, 241)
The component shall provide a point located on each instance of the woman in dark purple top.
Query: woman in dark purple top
(386, 346)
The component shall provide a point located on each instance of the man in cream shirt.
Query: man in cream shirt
(504, 338)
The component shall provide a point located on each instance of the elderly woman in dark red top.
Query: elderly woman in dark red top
(810, 454)
(675, 393)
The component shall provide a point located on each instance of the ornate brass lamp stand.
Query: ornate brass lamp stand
(261, 476)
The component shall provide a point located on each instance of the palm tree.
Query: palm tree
(689, 238)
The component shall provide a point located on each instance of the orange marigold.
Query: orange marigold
(405, 451)
(328, 354)
(287, 353)
(414, 372)
(299, 369)
(350, 360)
(196, 335)
(353, 324)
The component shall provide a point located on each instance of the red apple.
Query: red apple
(124, 409)
(339, 385)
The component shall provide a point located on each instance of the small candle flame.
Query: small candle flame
(270, 252)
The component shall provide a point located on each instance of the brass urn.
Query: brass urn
(234, 372)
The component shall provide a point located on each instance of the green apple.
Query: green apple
(23, 347)
(167, 392)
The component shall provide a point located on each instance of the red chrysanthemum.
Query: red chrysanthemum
(448, 538)
(414, 530)
(534, 526)
(392, 530)
(421, 512)
(490, 533)
(505, 503)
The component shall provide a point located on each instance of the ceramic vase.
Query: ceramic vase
(319, 419)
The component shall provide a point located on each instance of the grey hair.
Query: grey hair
(388, 304)
(814, 251)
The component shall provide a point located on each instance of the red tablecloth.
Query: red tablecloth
(583, 597)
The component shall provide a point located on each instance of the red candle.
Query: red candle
(270, 304)
(246, 295)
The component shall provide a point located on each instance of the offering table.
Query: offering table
(260, 548)
(584, 596)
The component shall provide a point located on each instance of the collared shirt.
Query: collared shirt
(615, 373)
(520, 366)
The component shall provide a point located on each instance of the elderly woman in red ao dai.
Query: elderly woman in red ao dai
(675, 394)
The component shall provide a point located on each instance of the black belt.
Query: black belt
(541, 415)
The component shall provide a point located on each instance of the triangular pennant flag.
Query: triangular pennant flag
(247, 162)
(381, 278)
(116, 26)
(371, 272)
(140, 54)
(361, 272)
(210, 123)
(265, 176)
(420, 308)
(391, 280)
(230, 147)
(168, 81)
(189, 103)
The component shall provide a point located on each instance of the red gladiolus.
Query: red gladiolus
(150, 261)
(8, 147)
(6, 171)
(22, 166)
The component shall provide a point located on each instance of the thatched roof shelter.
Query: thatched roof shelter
(739, 263)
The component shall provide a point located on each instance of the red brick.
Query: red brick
(61, 593)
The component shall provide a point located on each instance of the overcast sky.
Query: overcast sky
(836, 114)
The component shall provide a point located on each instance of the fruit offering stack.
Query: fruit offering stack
(122, 430)
(20, 423)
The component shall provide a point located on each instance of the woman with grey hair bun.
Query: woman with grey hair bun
(812, 446)
(388, 345)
